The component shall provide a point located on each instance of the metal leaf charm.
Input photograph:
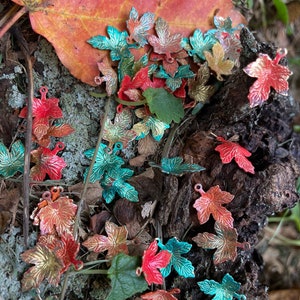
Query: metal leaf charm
(118, 131)
(114, 182)
(116, 43)
(175, 166)
(181, 264)
(148, 124)
(174, 82)
(198, 43)
(138, 29)
(198, 90)
(225, 242)
(47, 163)
(109, 76)
(217, 62)
(104, 162)
(227, 290)
(13, 161)
(164, 42)
(211, 202)
(269, 73)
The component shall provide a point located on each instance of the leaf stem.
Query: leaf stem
(85, 187)
(13, 20)
(131, 103)
(28, 141)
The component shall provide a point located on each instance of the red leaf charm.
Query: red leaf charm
(269, 74)
(211, 202)
(133, 86)
(42, 111)
(65, 248)
(230, 150)
(152, 261)
(161, 295)
(47, 162)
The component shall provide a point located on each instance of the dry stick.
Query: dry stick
(85, 187)
(24, 47)
(11, 21)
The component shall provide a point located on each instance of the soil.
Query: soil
(267, 131)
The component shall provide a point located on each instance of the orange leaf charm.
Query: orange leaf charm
(210, 203)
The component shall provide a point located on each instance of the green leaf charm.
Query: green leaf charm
(227, 290)
(164, 105)
(181, 264)
(175, 82)
(116, 42)
(13, 162)
(124, 281)
(175, 166)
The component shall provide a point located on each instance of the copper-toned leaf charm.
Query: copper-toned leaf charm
(113, 243)
(269, 73)
(138, 28)
(109, 76)
(225, 242)
(210, 203)
(119, 130)
(164, 42)
(198, 90)
(161, 295)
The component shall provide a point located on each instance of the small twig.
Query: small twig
(83, 194)
(26, 179)
(16, 16)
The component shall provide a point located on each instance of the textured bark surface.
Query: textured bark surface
(266, 132)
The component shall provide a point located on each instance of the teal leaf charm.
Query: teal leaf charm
(114, 182)
(138, 29)
(198, 43)
(104, 162)
(174, 166)
(119, 130)
(116, 43)
(225, 25)
(227, 290)
(181, 264)
(11, 162)
(149, 123)
(175, 82)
